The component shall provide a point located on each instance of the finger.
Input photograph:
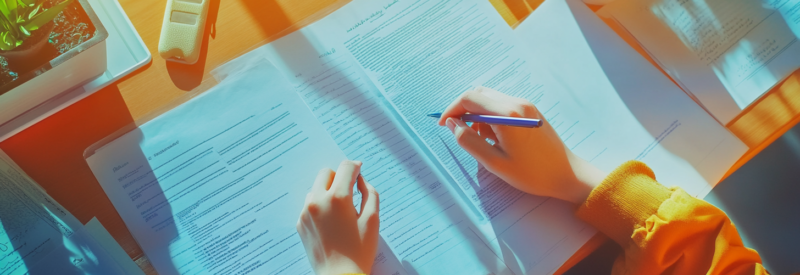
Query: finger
(476, 126)
(304, 214)
(307, 201)
(369, 199)
(362, 188)
(496, 95)
(486, 131)
(345, 179)
(520, 106)
(473, 143)
(323, 181)
(474, 101)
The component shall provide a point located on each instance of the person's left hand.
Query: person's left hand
(338, 239)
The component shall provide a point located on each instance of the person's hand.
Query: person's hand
(338, 239)
(535, 161)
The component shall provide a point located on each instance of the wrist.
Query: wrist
(587, 178)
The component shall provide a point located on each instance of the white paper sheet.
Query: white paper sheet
(635, 111)
(104, 239)
(216, 185)
(38, 236)
(725, 52)
(385, 260)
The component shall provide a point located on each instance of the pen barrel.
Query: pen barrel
(500, 120)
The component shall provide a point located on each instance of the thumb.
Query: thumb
(473, 143)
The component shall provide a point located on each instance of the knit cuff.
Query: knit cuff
(623, 201)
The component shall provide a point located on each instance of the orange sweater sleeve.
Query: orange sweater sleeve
(665, 230)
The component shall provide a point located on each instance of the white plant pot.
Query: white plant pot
(68, 70)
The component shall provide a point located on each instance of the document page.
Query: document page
(216, 185)
(110, 246)
(424, 219)
(38, 236)
(725, 52)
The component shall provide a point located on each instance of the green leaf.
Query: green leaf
(46, 16)
(29, 3)
(4, 45)
(11, 26)
(7, 25)
(4, 9)
(5, 22)
(9, 39)
(12, 8)
(34, 12)
(25, 32)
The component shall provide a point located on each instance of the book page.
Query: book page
(216, 185)
(39, 236)
(725, 52)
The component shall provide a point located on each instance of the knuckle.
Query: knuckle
(528, 110)
(374, 220)
(460, 135)
(523, 109)
(462, 140)
(339, 196)
(515, 112)
(313, 208)
(374, 192)
(468, 95)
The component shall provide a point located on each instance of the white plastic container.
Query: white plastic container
(71, 69)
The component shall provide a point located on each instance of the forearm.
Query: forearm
(664, 229)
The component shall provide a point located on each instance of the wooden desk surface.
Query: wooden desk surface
(51, 152)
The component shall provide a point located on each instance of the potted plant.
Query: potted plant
(25, 27)
(47, 47)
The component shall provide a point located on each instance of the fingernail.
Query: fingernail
(451, 124)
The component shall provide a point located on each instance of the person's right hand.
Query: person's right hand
(534, 160)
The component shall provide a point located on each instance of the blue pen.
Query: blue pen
(498, 120)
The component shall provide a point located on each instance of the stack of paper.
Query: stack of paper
(216, 184)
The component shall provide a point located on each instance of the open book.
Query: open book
(216, 184)
(726, 53)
